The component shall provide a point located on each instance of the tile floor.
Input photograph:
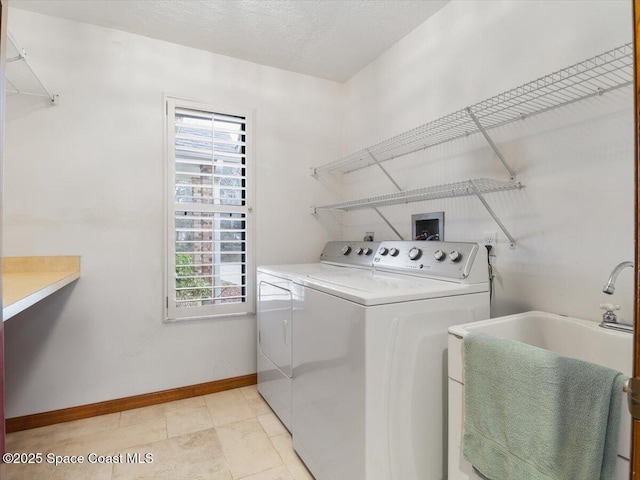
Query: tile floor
(229, 435)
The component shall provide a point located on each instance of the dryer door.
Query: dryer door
(275, 309)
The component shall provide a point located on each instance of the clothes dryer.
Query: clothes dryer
(279, 297)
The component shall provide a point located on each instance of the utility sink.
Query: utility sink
(567, 336)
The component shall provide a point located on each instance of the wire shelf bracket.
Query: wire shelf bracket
(19, 54)
(398, 187)
(384, 170)
(512, 241)
(481, 129)
(389, 224)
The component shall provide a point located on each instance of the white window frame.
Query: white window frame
(171, 311)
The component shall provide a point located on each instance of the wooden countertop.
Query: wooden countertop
(27, 280)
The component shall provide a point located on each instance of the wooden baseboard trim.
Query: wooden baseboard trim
(26, 422)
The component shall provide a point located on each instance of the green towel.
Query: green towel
(532, 414)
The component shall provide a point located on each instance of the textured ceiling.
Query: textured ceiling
(332, 39)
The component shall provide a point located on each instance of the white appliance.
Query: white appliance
(369, 360)
(279, 297)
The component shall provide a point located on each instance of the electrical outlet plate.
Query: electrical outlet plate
(490, 238)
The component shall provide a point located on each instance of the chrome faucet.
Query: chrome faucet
(610, 287)
(609, 318)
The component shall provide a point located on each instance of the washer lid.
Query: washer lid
(378, 288)
(294, 271)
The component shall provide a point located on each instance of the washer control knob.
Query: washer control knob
(367, 251)
(439, 255)
(346, 250)
(394, 252)
(415, 253)
(359, 251)
(383, 251)
(455, 256)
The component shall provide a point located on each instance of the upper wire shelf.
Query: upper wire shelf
(598, 75)
(21, 77)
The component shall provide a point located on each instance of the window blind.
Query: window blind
(209, 254)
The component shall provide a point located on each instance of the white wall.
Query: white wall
(86, 178)
(574, 220)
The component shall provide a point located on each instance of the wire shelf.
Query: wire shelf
(448, 190)
(20, 75)
(603, 73)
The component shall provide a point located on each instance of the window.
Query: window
(209, 216)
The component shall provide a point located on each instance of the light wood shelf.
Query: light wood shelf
(27, 280)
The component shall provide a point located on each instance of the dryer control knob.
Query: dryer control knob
(359, 251)
(439, 255)
(415, 253)
(394, 252)
(455, 256)
(383, 251)
(346, 250)
(367, 251)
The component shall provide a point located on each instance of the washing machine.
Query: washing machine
(369, 359)
(280, 296)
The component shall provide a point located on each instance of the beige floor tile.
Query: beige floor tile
(181, 422)
(230, 414)
(278, 473)
(115, 440)
(249, 392)
(180, 437)
(283, 445)
(44, 438)
(50, 471)
(247, 448)
(142, 415)
(195, 456)
(185, 404)
(228, 397)
(228, 407)
(259, 406)
(271, 424)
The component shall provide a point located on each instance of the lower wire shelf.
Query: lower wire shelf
(477, 187)
(448, 190)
